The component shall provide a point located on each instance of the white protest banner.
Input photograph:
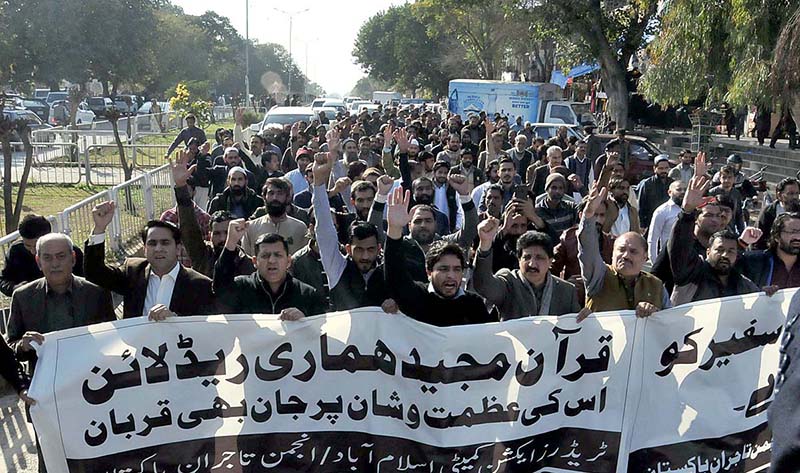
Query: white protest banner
(684, 390)
(708, 375)
(359, 391)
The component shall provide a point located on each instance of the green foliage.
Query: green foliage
(184, 103)
(249, 117)
(720, 51)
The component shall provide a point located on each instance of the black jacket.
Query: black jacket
(652, 193)
(222, 201)
(21, 267)
(417, 302)
(765, 220)
(250, 294)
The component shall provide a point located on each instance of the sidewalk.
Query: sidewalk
(17, 446)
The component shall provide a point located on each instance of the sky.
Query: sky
(324, 34)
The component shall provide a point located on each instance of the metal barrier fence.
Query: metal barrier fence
(138, 200)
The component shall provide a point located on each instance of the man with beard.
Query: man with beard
(467, 169)
(492, 203)
(556, 214)
(727, 188)
(777, 265)
(366, 154)
(441, 301)
(423, 192)
(271, 164)
(218, 174)
(685, 169)
(195, 229)
(494, 145)
(474, 128)
(362, 194)
(697, 279)
(664, 219)
(621, 217)
(277, 196)
(297, 176)
(519, 216)
(527, 290)
(438, 142)
(452, 152)
(238, 199)
(787, 199)
(466, 143)
(653, 190)
(621, 285)
(423, 226)
(354, 280)
(521, 156)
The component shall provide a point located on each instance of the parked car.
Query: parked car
(59, 114)
(33, 120)
(284, 116)
(355, 106)
(549, 130)
(642, 153)
(351, 99)
(37, 106)
(100, 105)
(54, 96)
(41, 94)
(121, 102)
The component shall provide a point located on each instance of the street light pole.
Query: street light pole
(247, 52)
(291, 18)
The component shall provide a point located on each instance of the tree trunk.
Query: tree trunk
(126, 168)
(8, 208)
(613, 77)
(24, 134)
(105, 88)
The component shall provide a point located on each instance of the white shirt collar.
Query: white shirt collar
(172, 274)
(458, 294)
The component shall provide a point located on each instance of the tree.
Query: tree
(609, 32)
(399, 49)
(718, 51)
(785, 74)
(9, 130)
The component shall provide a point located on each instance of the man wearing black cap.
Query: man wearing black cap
(653, 191)
(612, 151)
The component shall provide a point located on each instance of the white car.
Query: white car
(284, 116)
(351, 99)
(549, 130)
(59, 113)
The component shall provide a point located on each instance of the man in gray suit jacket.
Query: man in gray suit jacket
(528, 290)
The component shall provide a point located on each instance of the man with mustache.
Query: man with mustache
(621, 217)
(654, 190)
(777, 265)
(238, 199)
(278, 198)
(697, 279)
(621, 285)
(202, 253)
(528, 290)
(787, 198)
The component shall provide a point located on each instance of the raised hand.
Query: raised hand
(698, 185)
(576, 181)
(238, 114)
(750, 235)
(236, 230)
(487, 231)
(387, 135)
(385, 184)
(490, 127)
(322, 168)
(341, 184)
(295, 130)
(205, 147)
(397, 212)
(102, 215)
(596, 199)
(700, 165)
(332, 137)
(180, 171)
(460, 183)
(401, 137)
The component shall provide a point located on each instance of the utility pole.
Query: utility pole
(289, 66)
(247, 52)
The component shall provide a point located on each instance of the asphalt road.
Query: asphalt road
(17, 446)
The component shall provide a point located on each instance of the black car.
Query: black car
(37, 106)
(100, 105)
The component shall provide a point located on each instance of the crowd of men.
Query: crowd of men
(450, 220)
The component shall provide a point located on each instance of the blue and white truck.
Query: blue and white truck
(534, 102)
